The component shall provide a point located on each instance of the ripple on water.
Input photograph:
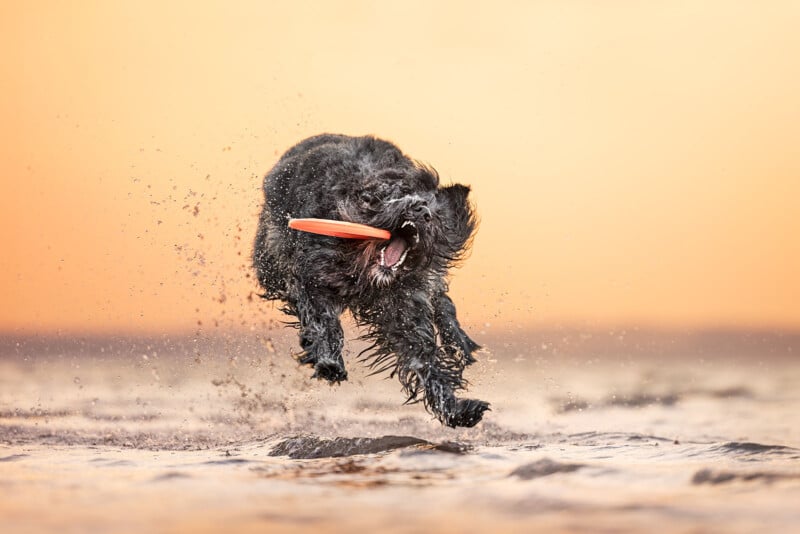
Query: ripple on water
(755, 450)
(709, 476)
(170, 475)
(543, 468)
(13, 457)
(228, 461)
(311, 447)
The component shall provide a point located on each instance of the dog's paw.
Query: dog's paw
(332, 371)
(468, 413)
(325, 367)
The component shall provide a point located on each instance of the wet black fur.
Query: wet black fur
(409, 319)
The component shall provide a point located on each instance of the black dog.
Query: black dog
(396, 288)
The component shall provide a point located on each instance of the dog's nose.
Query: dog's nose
(422, 211)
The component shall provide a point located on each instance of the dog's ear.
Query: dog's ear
(455, 196)
(458, 218)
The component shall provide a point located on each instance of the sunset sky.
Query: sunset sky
(633, 163)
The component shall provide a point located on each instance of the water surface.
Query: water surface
(169, 438)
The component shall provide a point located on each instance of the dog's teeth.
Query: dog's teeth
(400, 261)
(383, 259)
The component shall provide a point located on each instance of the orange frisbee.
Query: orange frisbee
(344, 229)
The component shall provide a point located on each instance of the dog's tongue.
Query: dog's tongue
(394, 251)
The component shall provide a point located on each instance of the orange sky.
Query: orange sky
(632, 162)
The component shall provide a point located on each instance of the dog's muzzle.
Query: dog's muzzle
(402, 242)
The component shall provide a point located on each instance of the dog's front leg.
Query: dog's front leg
(321, 335)
(450, 331)
(407, 331)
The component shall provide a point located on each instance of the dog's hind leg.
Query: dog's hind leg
(451, 334)
(321, 335)
(269, 270)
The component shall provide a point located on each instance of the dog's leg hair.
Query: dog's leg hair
(321, 335)
(406, 336)
(451, 334)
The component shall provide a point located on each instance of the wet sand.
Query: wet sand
(198, 436)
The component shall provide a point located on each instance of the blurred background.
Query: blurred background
(634, 164)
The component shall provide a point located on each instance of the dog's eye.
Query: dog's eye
(367, 198)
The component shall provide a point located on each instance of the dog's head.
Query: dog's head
(431, 226)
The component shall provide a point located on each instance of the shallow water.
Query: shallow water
(174, 437)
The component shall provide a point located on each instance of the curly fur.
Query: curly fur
(395, 289)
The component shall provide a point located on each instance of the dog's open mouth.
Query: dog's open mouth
(396, 251)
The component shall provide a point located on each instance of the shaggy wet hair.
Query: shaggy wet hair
(396, 289)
